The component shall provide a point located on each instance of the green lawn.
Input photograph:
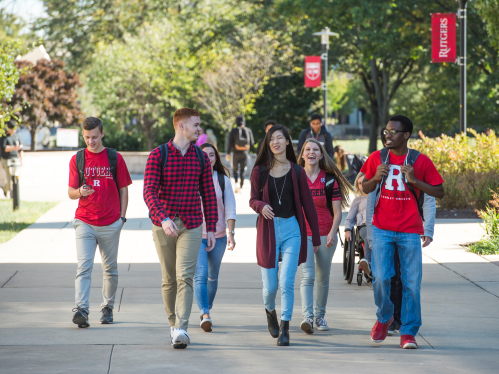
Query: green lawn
(12, 222)
(356, 146)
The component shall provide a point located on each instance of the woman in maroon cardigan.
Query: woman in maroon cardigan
(281, 227)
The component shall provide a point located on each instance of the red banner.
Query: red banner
(312, 71)
(443, 37)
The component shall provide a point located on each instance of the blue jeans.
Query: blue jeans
(288, 242)
(317, 267)
(411, 268)
(206, 277)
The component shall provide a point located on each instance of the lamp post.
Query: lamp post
(462, 62)
(14, 168)
(325, 34)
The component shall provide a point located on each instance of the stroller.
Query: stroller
(350, 250)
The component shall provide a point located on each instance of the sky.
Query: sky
(27, 9)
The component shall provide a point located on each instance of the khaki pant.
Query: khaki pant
(178, 257)
(87, 238)
(6, 186)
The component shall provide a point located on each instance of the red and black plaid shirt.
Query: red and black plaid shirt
(182, 184)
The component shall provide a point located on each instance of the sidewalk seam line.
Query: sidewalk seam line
(9, 278)
(432, 347)
(110, 358)
(121, 298)
(462, 276)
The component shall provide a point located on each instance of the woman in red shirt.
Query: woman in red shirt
(281, 197)
(317, 164)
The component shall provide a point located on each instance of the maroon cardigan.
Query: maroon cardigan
(265, 233)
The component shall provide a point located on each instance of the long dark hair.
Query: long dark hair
(329, 166)
(266, 157)
(218, 167)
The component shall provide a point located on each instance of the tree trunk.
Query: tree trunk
(32, 132)
(373, 133)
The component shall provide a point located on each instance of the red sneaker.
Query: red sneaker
(380, 330)
(408, 342)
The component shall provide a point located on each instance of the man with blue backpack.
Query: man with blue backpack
(399, 175)
(177, 174)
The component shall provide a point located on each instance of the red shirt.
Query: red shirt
(319, 195)
(103, 206)
(177, 193)
(397, 208)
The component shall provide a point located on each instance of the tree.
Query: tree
(9, 75)
(489, 11)
(232, 87)
(49, 93)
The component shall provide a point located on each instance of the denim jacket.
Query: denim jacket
(429, 210)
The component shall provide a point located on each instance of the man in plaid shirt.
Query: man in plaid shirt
(173, 195)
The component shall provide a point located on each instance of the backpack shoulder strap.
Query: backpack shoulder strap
(297, 171)
(328, 187)
(199, 153)
(221, 182)
(112, 156)
(384, 156)
(80, 165)
(264, 173)
(385, 159)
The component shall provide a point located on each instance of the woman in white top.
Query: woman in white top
(208, 264)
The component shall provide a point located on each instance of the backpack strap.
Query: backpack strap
(80, 166)
(112, 156)
(199, 153)
(298, 169)
(328, 188)
(221, 183)
(385, 159)
(411, 159)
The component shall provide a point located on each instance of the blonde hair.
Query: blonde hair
(330, 167)
(356, 188)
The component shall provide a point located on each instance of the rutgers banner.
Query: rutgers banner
(443, 37)
(312, 71)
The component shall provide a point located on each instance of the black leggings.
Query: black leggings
(396, 289)
(239, 160)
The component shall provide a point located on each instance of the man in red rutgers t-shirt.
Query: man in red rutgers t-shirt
(398, 224)
(98, 220)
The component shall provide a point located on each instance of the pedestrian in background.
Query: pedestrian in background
(281, 197)
(240, 142)
(209, 261)
(99, 180)
(317, 131)
(266, 126)
(11, 150)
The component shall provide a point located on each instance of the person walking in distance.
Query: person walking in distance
(330, 192)
(240, 142)
(11, 149)
(209, 261)
(99, 180)
(281, 197)
(177, 174)
(317, 131)
(399, 175)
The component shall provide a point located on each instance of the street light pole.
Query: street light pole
(462, 63)
(325, 34)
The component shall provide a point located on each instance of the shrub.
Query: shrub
(490, 243)
(469, 166)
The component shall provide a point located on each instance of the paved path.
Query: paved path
(460, 302)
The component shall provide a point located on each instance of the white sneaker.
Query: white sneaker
(180, 339)
(206, 324)
(321, 324)
(366, 266)
(307, 325)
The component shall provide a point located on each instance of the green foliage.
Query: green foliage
(490, 215)
(9, 75)
(469, 166)
(489, 11)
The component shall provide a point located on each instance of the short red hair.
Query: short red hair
(184, 113)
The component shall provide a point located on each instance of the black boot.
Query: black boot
(272, 322)
(283, 339)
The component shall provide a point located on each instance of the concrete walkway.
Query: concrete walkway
(460, 300)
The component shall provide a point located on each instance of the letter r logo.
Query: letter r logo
(394, 175)
(96, 183)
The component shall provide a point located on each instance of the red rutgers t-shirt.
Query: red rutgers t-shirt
(101, 208)
(319, 196)
(397, 208)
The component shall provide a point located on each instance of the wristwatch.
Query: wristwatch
(232, 232)
(123, 219)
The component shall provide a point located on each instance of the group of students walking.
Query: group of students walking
(299, 203)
